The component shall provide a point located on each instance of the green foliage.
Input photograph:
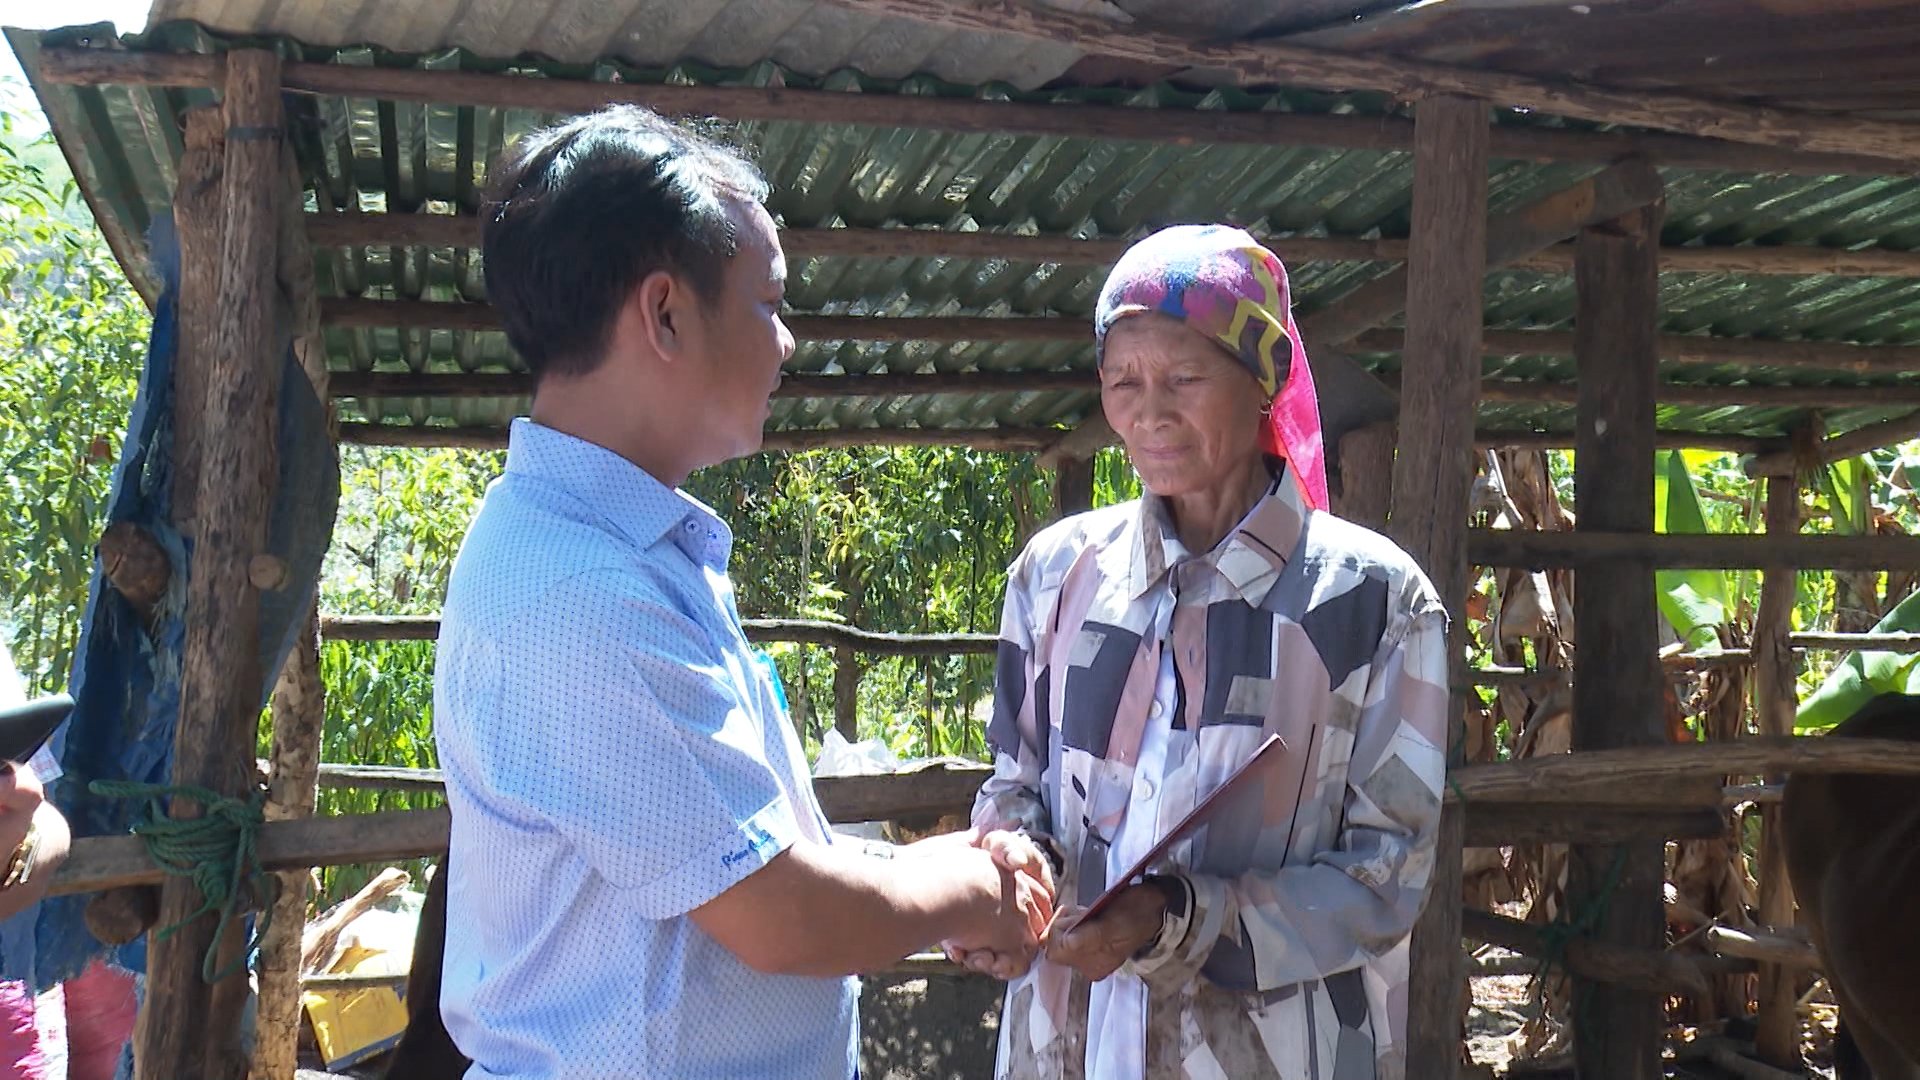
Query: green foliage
(1695, 602)
(72, 334)
(1863, 675)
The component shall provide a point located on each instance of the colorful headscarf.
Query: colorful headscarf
(1221, 282)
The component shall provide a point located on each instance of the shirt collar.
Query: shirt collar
(1251, 555)
(627, 497)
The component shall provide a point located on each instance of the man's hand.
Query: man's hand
(1017, 855)
(1096, 948)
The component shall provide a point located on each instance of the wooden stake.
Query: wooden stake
(1775, 700)
(1617, 677)
(188, 1028)
(299, 712)
(1432, 479)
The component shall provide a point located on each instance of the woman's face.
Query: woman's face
(1189, 414)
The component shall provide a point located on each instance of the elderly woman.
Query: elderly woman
(1147, 650)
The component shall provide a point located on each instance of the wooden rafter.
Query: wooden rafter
(463, 231)
(72, 66)
(1270, 62)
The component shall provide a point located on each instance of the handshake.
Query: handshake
(1025, 920)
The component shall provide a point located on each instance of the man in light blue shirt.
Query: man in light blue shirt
(641, 881)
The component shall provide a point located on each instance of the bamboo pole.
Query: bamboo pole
(1775, 699)
(1773, 951)
(327, 229)
(1441, 295)
(95, 67)
(186, 1027)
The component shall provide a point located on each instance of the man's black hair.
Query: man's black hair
(582, 212)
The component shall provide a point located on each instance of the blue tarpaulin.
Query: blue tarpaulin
(126, 675)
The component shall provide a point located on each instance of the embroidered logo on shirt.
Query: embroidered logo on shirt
(758, 841)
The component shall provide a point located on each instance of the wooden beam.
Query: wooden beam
(105, 862)
(1504, 391)
(1015, 440)
(1534, 227)
(807, 631)
(1839, 447)
(1665, 440)
(1616, 689)
(1267, 62)
(1182, 127)
(1072, 487)
(1539, 550)
(798, 386)
(1837, 356)
(329, 229)
(186, 1026)
(1833, 356)
(1440, 290)
(1693, 774)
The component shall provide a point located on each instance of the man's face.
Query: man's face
(742, 342)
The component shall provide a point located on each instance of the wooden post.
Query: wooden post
(1775, 700)
(299, 705)
(188, 1028)
(1365, 463)
(299, 710)
(1072, 487)
(1617, 700)
(200, 220)
(1431, 484)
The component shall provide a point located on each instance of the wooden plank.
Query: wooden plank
(1616, 688)
(1775, 700)
(1267, 62)
(327, 229)
(186, 1027)
(1432, 477)
(1831, 356)
(1540, 550)
(94, 67)
(1537, 225)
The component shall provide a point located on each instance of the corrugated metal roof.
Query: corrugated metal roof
(409, 158)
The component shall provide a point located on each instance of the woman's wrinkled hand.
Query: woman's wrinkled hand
(1097, 947)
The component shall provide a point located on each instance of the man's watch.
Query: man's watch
(20, 866)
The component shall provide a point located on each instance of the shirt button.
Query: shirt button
(1157, 711)
(1143, 790)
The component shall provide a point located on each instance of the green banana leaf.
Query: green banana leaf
(1865, 675)
(1694, 602)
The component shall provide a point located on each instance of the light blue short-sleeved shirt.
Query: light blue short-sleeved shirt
(615, 758)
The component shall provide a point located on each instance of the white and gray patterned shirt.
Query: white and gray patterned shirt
(1133, 680)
